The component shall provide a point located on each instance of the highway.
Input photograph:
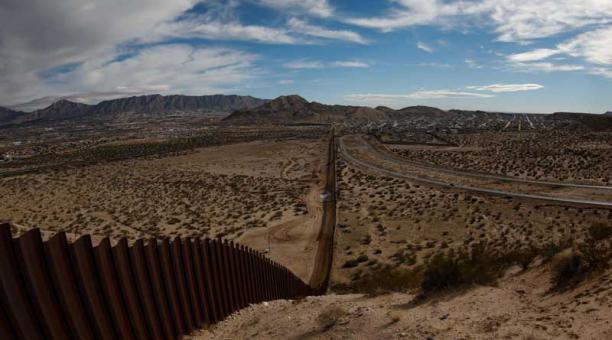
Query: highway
(391, 156)
(344, 152)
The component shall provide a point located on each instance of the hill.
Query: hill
(295, 109)
(8, 114)
(132, 107)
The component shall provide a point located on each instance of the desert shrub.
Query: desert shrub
(589, 257)
(600, 231)
(381, 281)
(330, 316)
(444, 271)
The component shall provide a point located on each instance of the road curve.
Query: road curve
(347, 156)
(392, 155)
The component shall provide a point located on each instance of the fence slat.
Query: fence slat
(216, 251)
(231, 266)
(6, 330)
(14, 297)
(121, 257)
(198, 267)
(86, 272)
(110, 287)
(179, 270)
(190, 279)
(64, 281)
(210, 272)
(34, 268)
(159, 294)
(163, 290)
(136, 252)
(170, 287)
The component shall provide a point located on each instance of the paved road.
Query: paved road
(324, 257)
(392, 156)
(375, 167)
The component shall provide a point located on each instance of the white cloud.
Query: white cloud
(423, 46)
(213, 29)
(594, 46)
(315, 64)
(513, 20)
(350, 63)
(507, 87)
(285, 82)
(303, 64)
(302, 27)
(447, 94)
(36, 35)
(161, 69)
(320, 8)
(434, 94)
(546, 67)
(534, 55)
(601, 71)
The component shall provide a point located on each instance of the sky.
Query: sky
(501, 55)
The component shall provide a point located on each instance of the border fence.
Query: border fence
(161, 289)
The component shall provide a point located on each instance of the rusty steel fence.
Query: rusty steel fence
(159, 289)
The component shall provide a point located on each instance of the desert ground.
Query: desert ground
(519, 268)
(262, 194)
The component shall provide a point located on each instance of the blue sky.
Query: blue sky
(503, 55)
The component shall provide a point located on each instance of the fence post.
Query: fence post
(227, 264)
(130, 295)
(204, 301)
(179, 269)
(159, 294)
(14, 297)
(212, 281)
(221, 277)
(191, 282)
(110, 287)
(143, 287)
(67, 290)
(167, 275)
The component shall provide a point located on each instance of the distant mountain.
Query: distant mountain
(8, 114)
(160, 104)
(294, 109)
(609, 113)
(132, 107)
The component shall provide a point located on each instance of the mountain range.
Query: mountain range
(131, 106)
(247, 110)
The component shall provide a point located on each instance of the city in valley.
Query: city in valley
(443, 172)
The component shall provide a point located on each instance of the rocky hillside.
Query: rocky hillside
(124, 107)
(595, 122)
(294, 109)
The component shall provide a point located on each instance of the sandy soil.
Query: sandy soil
(242, 191)
(520, 307)
(392, 222)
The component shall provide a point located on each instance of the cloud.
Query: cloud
(303, 64)
(434, 94)
(534, 55)
(423, 46)
(594, 46)
(513, 20)
(161, 69)
(507, 87)
(320, 8)
(285, 82)
(350, 63)
(315, 64)
(37, 35)
(302, 27)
